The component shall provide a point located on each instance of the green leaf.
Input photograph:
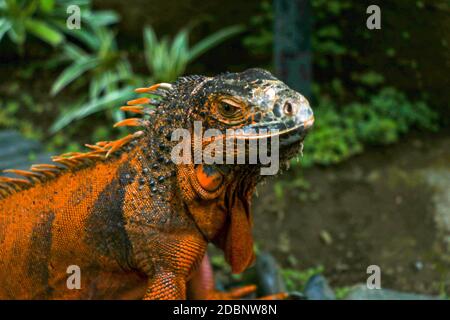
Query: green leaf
(85, 35)
(81, 111)
(4, 27)
(66, 118)
(106, 101)
(179, 53)
(94, 88)
(106, 41)
(80, 3)
(149, 37)
(43, 31)
(17, 33)
(149, 46)
(124, 69)
(47, 6)
(103, 18)
(72, 72)
(28, 9)
(118, 115)
(168, 60)
(74, 53)
(213, 40)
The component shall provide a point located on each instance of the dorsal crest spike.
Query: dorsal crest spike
(93, 147)
(138, 110)
(8, 187)
(100, 151)
(162, 85)
(44, 166)
(139, 101)
(142, 90)
(130, 122)
(15, 181)
(116, 145)
(46, 172)
(156, 89)
(133, 109)
(33, 176)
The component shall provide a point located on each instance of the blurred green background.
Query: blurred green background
(373, 184)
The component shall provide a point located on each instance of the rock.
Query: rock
(438, 180)
(295, 295)
(268, 275)
(326, 237)
(373, 176)
(418, 265)
(15, 151)
(317, 288)
(361, 292)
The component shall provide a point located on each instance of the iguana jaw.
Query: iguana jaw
(287, 136)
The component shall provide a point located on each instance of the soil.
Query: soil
(375, 209)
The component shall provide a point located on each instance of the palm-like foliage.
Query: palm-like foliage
(46, 20)
(108, 73)
(104, 69)
(22, 17)
(167, 59)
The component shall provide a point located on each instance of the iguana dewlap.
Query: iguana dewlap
(135, 223)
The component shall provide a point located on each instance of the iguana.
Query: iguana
(135, 223)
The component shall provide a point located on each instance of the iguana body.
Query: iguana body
(136, 223)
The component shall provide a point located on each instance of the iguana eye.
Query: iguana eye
(229, 109)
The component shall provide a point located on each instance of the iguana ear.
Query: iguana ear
(238, 244)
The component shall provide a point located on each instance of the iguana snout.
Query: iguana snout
(255, 104)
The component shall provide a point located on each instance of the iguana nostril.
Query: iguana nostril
(288, 109)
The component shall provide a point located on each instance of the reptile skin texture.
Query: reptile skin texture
(135, 223)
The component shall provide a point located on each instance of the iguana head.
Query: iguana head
(253, 100)
(258, 107)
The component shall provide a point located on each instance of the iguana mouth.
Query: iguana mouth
(287, 136)
(255, 132)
